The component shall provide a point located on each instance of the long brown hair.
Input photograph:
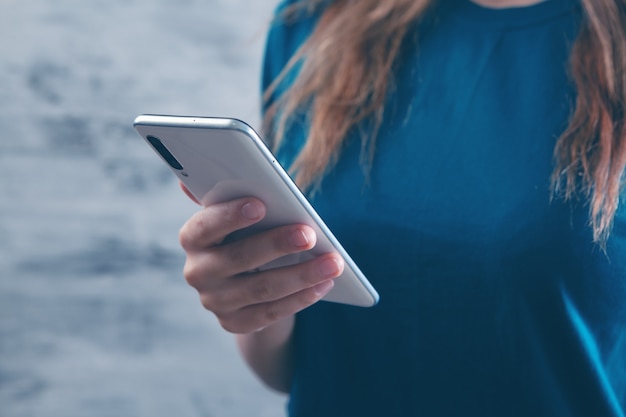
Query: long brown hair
(346, 70)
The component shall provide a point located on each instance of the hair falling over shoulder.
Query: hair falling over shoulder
(341, 87)
(591, 154)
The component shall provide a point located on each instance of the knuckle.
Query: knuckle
(184, 237)
(214, 302)
(272, 313)
(308, 276)
(193, 228)
(200, 223)
(206, 226)
(261, 289)
(192, 274)
(228, 214)
(200, 270)
(240, 254)
(208, 301)
(280, 242)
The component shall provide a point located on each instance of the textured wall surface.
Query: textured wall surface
(95, 316)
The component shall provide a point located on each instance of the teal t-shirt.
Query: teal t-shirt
(494, 300)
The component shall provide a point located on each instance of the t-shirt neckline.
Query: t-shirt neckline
(511, 17)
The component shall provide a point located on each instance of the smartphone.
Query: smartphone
(220, 159)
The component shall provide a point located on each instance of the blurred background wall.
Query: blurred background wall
(95, 316)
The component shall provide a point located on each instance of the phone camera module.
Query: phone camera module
(165, 153)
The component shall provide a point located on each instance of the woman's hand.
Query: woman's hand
(225, 274)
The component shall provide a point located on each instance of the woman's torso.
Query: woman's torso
(494, 301)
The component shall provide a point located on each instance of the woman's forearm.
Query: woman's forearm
(268, 353)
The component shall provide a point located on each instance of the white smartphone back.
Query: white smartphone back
(220, 159)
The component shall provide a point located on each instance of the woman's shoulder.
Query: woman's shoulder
(293, 22)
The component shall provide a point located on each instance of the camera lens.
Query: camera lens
(158, 145)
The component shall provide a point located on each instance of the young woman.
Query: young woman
(468, 155)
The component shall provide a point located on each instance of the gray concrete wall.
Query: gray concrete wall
(95, 316)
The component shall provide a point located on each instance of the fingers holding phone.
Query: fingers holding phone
(226, 276)
(221, 160)
(213, 224)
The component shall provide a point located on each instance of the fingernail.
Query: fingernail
(299, 239)
(324, 288)
(329, 267)
(251, 211)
